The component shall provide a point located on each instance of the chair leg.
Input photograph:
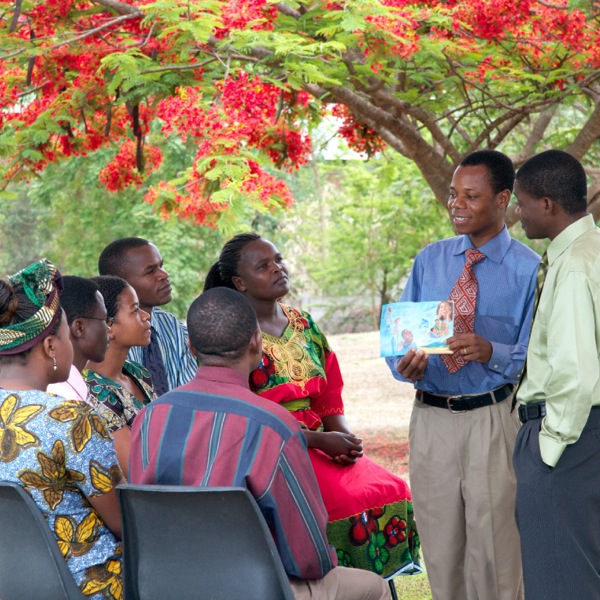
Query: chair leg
(393, 592)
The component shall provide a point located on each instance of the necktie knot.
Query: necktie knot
(473, 257)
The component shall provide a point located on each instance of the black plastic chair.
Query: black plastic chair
(31, 564)
(192, 542)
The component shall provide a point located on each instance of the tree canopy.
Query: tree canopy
(241, 83)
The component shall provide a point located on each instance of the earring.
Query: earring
(54, 367)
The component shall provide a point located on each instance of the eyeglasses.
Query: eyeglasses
(110, 321)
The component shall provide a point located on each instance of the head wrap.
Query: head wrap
(42, 283)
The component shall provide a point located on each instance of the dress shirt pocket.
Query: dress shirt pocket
(501, 329)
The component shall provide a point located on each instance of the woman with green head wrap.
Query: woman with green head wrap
(58, 449)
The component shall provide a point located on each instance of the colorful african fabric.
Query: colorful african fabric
(62, 453)
(116, 405)
(371, 521)
(41, 283)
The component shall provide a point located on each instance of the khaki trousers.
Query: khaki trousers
(342, 583)
(464, 488)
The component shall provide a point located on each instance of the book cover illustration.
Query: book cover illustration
(421, 325)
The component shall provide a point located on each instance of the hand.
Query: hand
(472, 347)
(412, 365)
(344, 448)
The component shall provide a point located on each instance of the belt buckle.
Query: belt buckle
(449, 400)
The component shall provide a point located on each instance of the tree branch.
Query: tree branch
(15, 18)
(587, 135)
(554, 6)
(536, 135)
(120, 8)
(95, 30)
(288, 10)
(178, 67)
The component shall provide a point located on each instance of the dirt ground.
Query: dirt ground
(377, 406)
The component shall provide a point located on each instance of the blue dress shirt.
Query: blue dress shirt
(506, 287)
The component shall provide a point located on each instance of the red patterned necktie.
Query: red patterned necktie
(464, 295)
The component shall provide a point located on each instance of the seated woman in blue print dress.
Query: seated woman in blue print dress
(59, 450)
(120, 388)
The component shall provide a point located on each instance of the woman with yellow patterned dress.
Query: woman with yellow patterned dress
(59, 450)
(370, 512)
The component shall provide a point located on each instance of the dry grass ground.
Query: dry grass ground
(378, 409)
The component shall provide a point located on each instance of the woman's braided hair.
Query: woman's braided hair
(110, 287)
(223, 271)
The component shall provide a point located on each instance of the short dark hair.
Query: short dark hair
(222, 272)
(110, 287)
(556, 175)
(112, 258)
(500, 167)
(78, 297)
(221, 322)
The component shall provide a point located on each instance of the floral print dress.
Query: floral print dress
(116, 405)
(61, 452)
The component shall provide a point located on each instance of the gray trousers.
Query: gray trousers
(558, 515)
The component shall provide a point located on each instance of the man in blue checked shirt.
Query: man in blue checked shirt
(168, 357)
(462, 430)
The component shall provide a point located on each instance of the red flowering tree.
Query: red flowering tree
(242, 81)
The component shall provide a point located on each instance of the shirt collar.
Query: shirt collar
(495, 249)
(222, 375)
(568, 235)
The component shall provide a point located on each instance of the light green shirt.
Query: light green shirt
(563, 358)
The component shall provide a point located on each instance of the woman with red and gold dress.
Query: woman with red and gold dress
(370, 512)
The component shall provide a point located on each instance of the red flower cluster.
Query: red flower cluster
(364, 525)
(183, 113)
(395, 531)
(121, 171)
(358, 137)
(246, 14)
(260, 377)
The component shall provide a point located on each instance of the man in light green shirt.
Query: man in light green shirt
(557, 453)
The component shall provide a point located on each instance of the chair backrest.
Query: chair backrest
(192, 542)
(31, 564)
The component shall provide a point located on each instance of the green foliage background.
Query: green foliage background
(350, 239)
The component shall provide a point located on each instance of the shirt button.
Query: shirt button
(495, 366)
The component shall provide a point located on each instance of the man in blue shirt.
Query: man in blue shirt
(462, 430)
(168, 357)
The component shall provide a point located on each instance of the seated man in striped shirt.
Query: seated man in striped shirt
(168, 357)
(214, 432)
